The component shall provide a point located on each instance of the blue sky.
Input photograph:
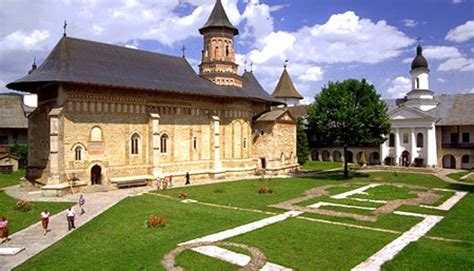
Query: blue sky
(323, 40)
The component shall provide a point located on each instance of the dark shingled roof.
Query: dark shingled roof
(11, 111)
(218, 18)
(298, 111)
(419, 61)
(285, 87)
(87, 62)
(451, 110)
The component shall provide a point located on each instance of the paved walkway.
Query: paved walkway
(34, 241)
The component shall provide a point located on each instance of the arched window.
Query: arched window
(134, 143)
(419, 140)
(96, 134)
(417, 83)
(282, 157)
(227, 50)
(245, 142)
(216, 52)
(78, 153)
(391, 140)
(164, 143)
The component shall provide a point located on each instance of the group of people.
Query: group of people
(167, 182)
(44, 219)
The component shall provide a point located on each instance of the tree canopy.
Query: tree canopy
(350, 113)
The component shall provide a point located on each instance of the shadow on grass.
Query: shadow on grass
(462, 187)
(336, 176)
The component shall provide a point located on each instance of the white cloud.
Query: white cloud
(462, 32)
(312, 74)
(441, 80)
(410, 23)
(456, 1)
(467, 90)
(457, 64)
(441, 52)
(399, 87)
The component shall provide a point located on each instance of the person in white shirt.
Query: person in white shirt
(70, 215)
(44, 217)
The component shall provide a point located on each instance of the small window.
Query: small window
(282, 157)
(405, 138)
(454, 137)
(195, 144)
(134, 143)
(227, 50)
(245, 143)
(391, 140)
(465, 159)
(3, 140)
(465, 138)
(262, 132)
(417, 83)
(78, 153)
(419, 140)
(164, 143)
(96, 134)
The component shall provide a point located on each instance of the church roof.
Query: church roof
(451, 109)
(218, 18)
(285, 87)
(88, 62)
(274, 115)
(11, 111)
(419, 61)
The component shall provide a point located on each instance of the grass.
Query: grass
(316, 166)
(11, 179)
(433, 255)
(458, 175)
(20, 220)
(117, 239)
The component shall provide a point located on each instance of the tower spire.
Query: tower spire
(64, 27)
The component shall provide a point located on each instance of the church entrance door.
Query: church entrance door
(96, 175)
(405, 159)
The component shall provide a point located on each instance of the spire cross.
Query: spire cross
(184, 50)
(251, 66)
(418, 39)
(65, 26)
(285, 64)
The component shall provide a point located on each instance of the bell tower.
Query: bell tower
(218, 54)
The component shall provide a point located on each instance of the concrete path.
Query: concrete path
(34, 241)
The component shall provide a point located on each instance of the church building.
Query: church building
(114, 116)
(427, 130)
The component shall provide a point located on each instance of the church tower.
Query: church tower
(420, 97)
(218, 54)
(285, 90)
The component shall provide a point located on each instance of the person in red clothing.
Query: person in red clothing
(4, 230)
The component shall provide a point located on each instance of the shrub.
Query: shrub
(24, 206)
(182, 195)
(265, 190)
(155, 222)
(218, 190)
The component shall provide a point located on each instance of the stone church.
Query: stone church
(116, 116)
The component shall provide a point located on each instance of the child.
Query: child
(44, 217)
(82, 201)
(158, 183)
(4, 230)
(170, 181)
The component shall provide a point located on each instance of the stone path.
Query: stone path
(215, 237)
(448, 204)
(388, 252)
(355, 191)
(34, 241)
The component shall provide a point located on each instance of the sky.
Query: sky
(323, 40)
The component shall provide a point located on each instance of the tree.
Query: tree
(302, 149)
(350, 113)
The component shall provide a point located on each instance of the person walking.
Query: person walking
(4, 230)
(188, 182)
(70, 216)
(44, 217)
(170, 181)
(82, 201)
(158, 183)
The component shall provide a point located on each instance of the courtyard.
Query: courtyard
(396, 221)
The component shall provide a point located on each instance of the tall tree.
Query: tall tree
(350, 113)
(302, 149)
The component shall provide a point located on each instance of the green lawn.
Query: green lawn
(118, 239)
(458, 175)
(20, 220)
(386, 192)
(320, 166)
(11, 179)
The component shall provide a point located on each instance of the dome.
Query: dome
(419, 61)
